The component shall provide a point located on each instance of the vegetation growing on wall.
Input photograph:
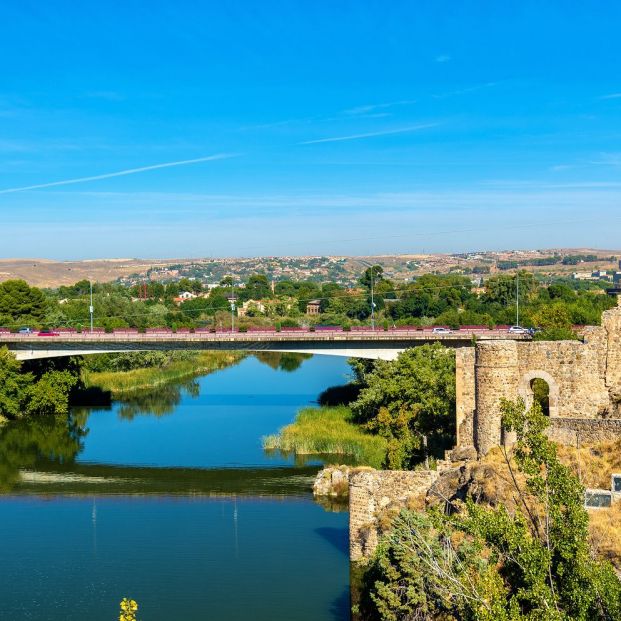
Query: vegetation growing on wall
(487, 564)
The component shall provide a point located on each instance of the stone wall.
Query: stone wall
(584, 378)
(611, 322)
(465, 401)
(579, 431)
(372, 493)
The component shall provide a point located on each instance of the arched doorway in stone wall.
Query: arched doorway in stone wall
(541, 386)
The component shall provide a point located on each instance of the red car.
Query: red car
(48, 333)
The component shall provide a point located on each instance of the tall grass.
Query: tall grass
(328, 430)
(121, 383)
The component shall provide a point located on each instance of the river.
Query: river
(170, 499)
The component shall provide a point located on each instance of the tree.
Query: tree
(555, 322)
(410, 398)
(257, 288)
(486, 564)
(12, 384)
(21, 303)
(44, 391)
(372, 275)
(503, 289)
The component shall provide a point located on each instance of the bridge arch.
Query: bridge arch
(525, 390)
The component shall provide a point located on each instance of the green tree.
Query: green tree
(373, 274)
(408, 399)
(555, 322)
(50, 394)
(13, 383)
(21, 303)
(503, 289)
(487, 564)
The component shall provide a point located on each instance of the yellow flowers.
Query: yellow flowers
(129, 607)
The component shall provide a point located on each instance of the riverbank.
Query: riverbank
(122, 383)
(328, 430)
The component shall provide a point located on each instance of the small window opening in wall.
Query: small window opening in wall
(597, 499)
(541, 394)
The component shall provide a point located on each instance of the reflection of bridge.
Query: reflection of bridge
(362, 343)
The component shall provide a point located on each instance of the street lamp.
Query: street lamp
(91, 308)
(232, 301)
(371, 271)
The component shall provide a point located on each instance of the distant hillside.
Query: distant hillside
(48, 273)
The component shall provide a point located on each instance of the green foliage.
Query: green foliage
(20, 303)
(50, 394)
(408, 398)
(134, 360)
(431, 295)
(44, 392)
(484, 564)
(555, 322)
(503, 289)
(24, 442)
(12, 384)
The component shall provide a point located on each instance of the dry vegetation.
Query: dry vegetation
(491, 482)
(593, 463)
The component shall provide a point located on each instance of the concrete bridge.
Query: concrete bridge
(363, 343)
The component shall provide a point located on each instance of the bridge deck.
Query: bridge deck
(361, 343)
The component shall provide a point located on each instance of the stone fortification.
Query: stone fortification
(372, 494)
(584, 380)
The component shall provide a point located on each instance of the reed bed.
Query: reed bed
(328, 430)
(121, 383)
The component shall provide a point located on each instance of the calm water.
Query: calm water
(171, 500)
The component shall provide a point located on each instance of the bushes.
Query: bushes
(489, 564)
(44, 391)
(408, 399)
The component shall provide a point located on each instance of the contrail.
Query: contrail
(386, 132)
(121, 173)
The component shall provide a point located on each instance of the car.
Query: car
(518, 330)
(439, 330)
(48, 333)
(25, 331)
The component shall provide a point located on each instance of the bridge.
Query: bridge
(360, 343)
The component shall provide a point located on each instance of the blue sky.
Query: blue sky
(319, 127)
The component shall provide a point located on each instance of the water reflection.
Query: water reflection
(283, 361)
(135, 499)
(24, 443)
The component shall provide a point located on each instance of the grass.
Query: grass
(593, 463)
(121, 383)
(328, 430)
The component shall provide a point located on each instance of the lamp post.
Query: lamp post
(91, 308)
(232, 308)
(372, 303)
(517, 298)
(371, 272)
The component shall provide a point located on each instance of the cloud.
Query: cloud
(443, 58)
(379, 106)
(121, 173)
(387, 132)
(611, 96)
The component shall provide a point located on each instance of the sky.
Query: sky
(208, 129)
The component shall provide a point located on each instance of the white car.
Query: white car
(441, 331)
(517, 330)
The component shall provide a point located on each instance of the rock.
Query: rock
(332, 481)
(463, 453)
